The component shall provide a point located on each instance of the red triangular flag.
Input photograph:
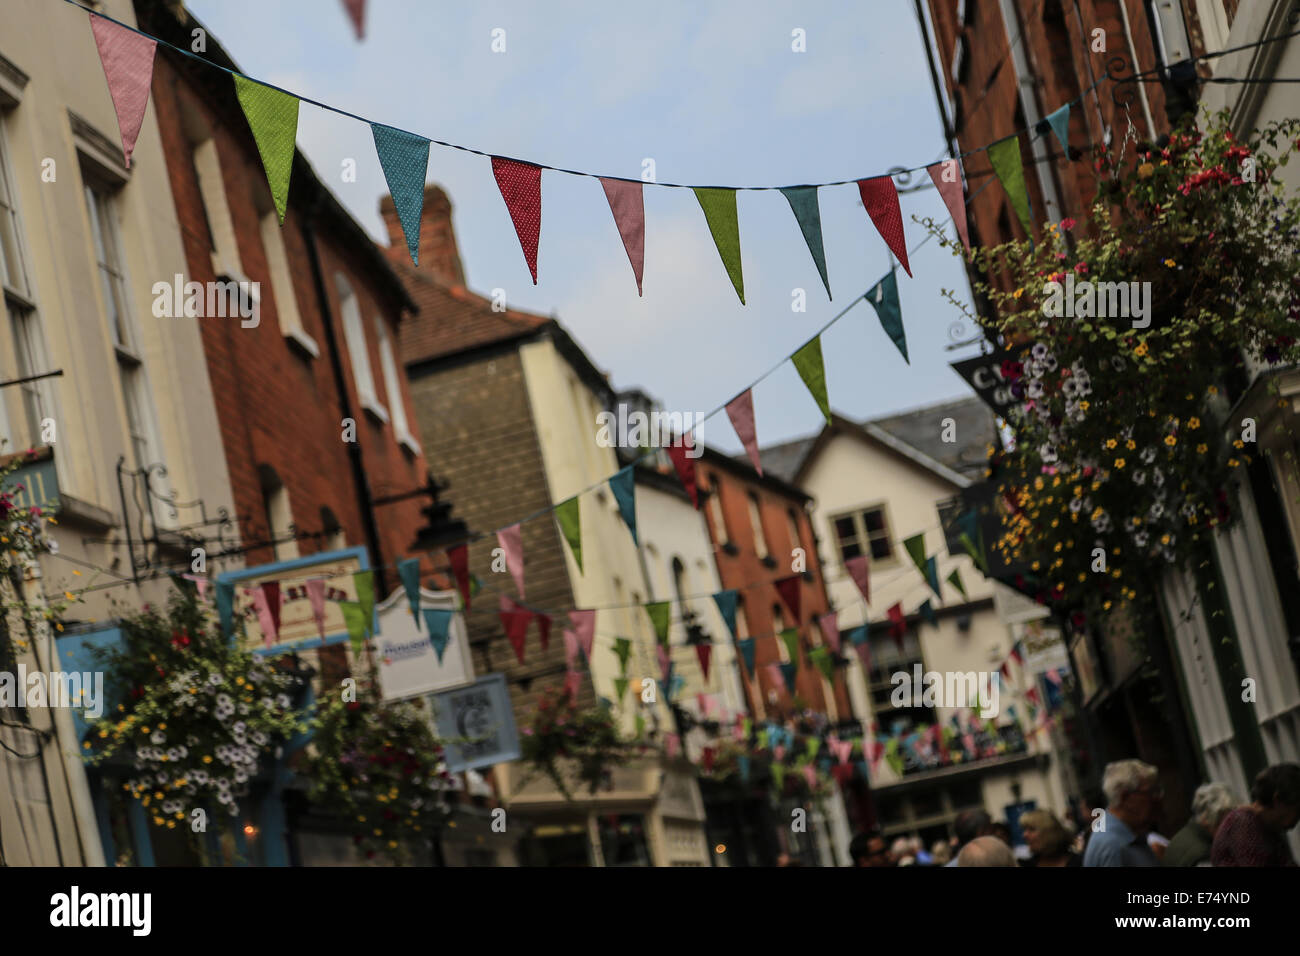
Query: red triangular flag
(628, 207)
(741, 412)
(829, 623)
(515, 621)
(459, 559)
(685, 466)
(704, 652)
(127, 58)
(357, 14)
(857, 568)
(1006, 671)
(1015, 653)
(544, 630)
(899, 627)
(789, 590)
(272, 591)
(706, 756)
(947, 179)
(881, 199)
(521, 188)
(1032, 694)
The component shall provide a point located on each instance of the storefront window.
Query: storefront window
(622, 840)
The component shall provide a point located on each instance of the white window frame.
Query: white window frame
(221, 225)
(286, 303)
(756, 525)
(393, 389)
(354, 334)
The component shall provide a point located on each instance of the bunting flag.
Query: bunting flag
(200, 585)
(514, 619)
(708, 705)
(915, 546)
(778, 777)
(858, 637)
(1032, 694)
(458, 558)
(719, 207)
(357, 622)
(738, 730)
(364, 583)
(707, 755)
(821, 659)
(685, 466)
(741, 412)
(803, 203)
(747, 654)
(775, 675)
(127, 58)
(790, 637)
(812, 746)
(620, 689)
(932, 575)
(567, 514)
(659, 612)
(356, 10)
(583, 623)
(226, 606)
(273, 117)
(955, 580)
(438, 623)
(790, 592)
(829, 623)
(842, 749)
(521, 188)
(1054, 676)
(623, 487)
(511, 542)
(808, 363)
(857, 568)
(810, 776)
(947, 177)
(316, 595)
(665, 660)
(475, 585)
(881, 199)
(672, 744)
(926, 610)
(628, 206)
(1015, 653)
(570, 649)
(675, 681)
(1060, 123)
(726, 602)
(544, 630)
(898, 626)
(1004, 156)
(884, 299)
(704, 652)
(622, 650)
(788, 672)
(572, 683)
(405, 161)
(265, 620)
(409, 572)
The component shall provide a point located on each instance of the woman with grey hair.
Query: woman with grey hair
(1191, 845)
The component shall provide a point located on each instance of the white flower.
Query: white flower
(1157, 477)
(1039, 351)
(157, 737)
(1034, 389)
(1156, 512)
(224, 795)
(1139, 478)
(1141, 539)
(283, 701)
(243, 709)
(1047, 453)
(215, 679)
(241, 777)
(1148, 455)
(224, 700)
(1076, 504)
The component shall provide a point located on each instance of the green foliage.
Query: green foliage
(588, 739)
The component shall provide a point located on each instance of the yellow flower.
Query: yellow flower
(76, 572)
(1212, 390)
(1171, 441)
(1193, 422)
(1085, 405)
(1233, 463)
(1119, 462)
(1019, 292)
(1202, 448)
(1146, 170)
(162, 726)
(1131, 445)
(144, 730)
(158, 795)
(1141, 350)
(1239, 444)
(1170, 263)
(207, 758)
(1111, 443)
(69, 595)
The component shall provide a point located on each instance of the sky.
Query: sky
(715, 94)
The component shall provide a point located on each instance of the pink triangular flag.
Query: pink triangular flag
(511, 541)
(857, 568)
(265, 620)
(316, 594)
(357, 14)
(829, 623)
(810, 775)
(947, 179)
(685, 466)
(628, 207)
(704, 652)
(880, 197)
(521, 188)
(775, 676)
(584, 628)
(200, 584)
(672, 744)
(779, 752)
(741, 412)
(127, 58)
(572, 683)
(842, 749)
(864, 654)
(1054, 676)
(664, 659)
(709, 704)
(570, 649)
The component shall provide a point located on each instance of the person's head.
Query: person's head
(1132, 793)
(1044, 834)
(901, 851)
(986, 851)
(870, 849)
(971, 824)
(941, 853)
(1276, 795)
(1001, 831)
(1210, 805)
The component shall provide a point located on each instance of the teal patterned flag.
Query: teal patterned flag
(405, 161)
(726, 602)
(438, 622)
(409, 572)
(803, 203)
(623, 485)
(884, 299)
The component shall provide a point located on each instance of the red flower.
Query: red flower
(1081, 268)
(1067, 223)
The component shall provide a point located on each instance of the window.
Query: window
(886, 660)
(13, 272)
(715, 509)
(742, 623)
(355, 335)
(793, 526)
(864, 532)
(393, 388)
(756, 524)
(279, 515)
(277, 264)
(334, 539)
(212, 193)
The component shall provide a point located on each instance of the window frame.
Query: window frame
(354, 336)
(863, 537)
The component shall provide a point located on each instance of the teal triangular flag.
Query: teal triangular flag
(226, 606)
(858, 635)
(926, 610)
(1060, 123)
(409, 572)
(788, 671)
(884, 298)
(803, 203)
(747, 652)
(726, 601)
(405, 159)
(932, 576)
(438, 622)
(623, 486)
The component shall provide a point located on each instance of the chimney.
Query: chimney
(439, 256)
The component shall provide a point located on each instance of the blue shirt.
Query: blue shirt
(1117, 846)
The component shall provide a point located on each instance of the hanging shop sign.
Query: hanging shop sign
(480, 719)
(408, 658)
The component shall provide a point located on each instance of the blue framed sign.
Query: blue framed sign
(480, 715)
(298, 629)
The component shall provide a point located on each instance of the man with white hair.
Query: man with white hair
(1191, 845)
(1133, 800)
(986, 851)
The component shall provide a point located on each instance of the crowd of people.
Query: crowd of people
(1221, 830)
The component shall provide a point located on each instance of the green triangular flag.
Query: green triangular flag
(354, 616)
(791, 638)
(620, 688)
(884, 298)
(719, 207)
(932, 576)
(364, 582)
(659, 613)
(803, 203)
(808, 362)
(1060, 123)
(640, 725)
(273, 117)
(762, 740)
(955, 580)
(915, 546)
(566, 512)
(778, 775)
(623, 648)
(1004, 155)
(821, 658)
